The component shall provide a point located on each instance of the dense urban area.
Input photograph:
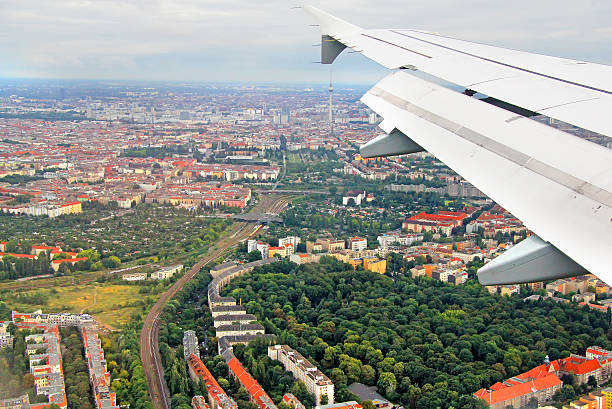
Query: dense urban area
(176, 246)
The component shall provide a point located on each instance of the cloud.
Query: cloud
(227, 40)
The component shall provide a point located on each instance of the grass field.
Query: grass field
(111, 304)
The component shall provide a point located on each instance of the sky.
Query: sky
(267, 40)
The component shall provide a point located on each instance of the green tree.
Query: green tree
(387, 382)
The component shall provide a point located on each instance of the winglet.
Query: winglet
(332, 31)
(330, 25)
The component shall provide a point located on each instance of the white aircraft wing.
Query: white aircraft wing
(558, 184)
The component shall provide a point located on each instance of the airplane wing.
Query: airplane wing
(558, 184)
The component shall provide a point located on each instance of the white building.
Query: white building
(358, 244)
(293, 240)
(355, 195)
(251, 245)
(263, 248)
(389, 239)
(316, 382)
(166, 272)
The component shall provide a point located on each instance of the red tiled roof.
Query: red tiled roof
(16, 255)
(69, 260)
(536, 379)
(255, 391)
(579, 365)
(511, 392)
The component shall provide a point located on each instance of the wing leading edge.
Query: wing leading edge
(536, 172)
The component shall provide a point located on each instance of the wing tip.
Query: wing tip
(329, 23)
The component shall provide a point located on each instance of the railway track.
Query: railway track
(149, 346)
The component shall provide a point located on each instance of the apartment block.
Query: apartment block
(60, 319)
(190, 344)
(217, 397)
(239, 329)
(292, 401)
(227, 310)
(6, 339)
(166, 272)
(358, 243)
(99, 376)
(538, 383)
(316, 382)
(222, 320)
(199, 402)
(256, 393)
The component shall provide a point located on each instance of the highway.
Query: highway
(149, 348)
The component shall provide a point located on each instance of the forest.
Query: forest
(425, 344)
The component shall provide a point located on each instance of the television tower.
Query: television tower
(331, 92)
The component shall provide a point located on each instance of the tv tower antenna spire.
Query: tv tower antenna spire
(331, 91)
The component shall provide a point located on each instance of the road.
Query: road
(149, 347)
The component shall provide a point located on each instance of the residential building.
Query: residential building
(227, 310)
(332, 245)
(55, 264)
(263, 248)
(222, 320)
(293, 240)
(99, 376)
(607, 398)
(217, 397)
(582, 368)
(229, 341)
(239, 329)
(358, 243)
(314, 247)
(6, 339)
(584, 297)
(199, 402)
(305, 258)
(60, 319)
(166, 272)
(354, 196)
(46, 367)
(397, 238)
(190, 344)
(220, 268)
(256, 393)
(443, 222)
(277, 251)
(375, 265)
(316, 382)
(537, 384)
(292, 401)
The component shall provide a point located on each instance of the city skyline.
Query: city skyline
(269, 42)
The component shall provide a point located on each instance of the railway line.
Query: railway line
(149, 347)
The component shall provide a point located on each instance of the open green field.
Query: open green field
(111, 304)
